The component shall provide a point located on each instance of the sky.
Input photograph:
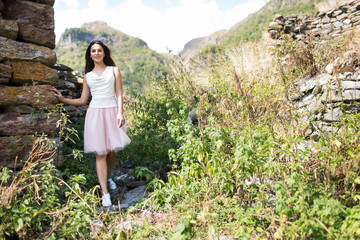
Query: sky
(165, 25)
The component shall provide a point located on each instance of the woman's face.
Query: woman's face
(97, 53)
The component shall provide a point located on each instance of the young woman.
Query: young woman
(105, 124)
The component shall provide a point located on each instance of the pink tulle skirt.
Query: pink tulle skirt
(102, 133)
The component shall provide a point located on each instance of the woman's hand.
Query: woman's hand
(58, 94)
(121, 120)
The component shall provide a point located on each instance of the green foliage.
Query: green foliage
(143, 172)
(244, 174)
(183, 230)
(36, 199)
(147, 118)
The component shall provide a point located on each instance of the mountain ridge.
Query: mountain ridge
(135, 59)
(252, 27)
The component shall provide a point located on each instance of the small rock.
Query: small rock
(97, 224)
(330, 68)
(308, 86)
(306, 100)
(351, 95)
(295, 97)
(333, 115)
(350, 85)
(122, 177)
(338, 24)
(337, 13)
(134, 195)
(347, 21)
(128, 225)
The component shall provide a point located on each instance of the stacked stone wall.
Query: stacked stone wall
(328, 25)
(28, 70)
(323, 99)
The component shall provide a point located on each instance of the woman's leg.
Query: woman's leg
(102, 171)
(110, 160)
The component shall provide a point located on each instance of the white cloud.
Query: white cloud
(97, 5)
(69, 3)
(168, 29)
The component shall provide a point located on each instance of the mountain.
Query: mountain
(194, 45)
(254, 25)
(132, 55)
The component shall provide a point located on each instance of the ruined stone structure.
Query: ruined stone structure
(324, 98)
(27, 72)
(329, 25)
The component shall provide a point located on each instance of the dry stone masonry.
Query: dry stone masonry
(324, 98)
(28, 70)
(330, 25)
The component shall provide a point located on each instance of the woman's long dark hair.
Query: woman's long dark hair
(89, 63)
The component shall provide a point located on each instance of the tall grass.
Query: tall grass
(245, 170)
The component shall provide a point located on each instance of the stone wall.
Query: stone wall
(27, 73)
(324, 98)
(330, 25)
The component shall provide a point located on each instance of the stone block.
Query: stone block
(29, 72)
(13, 149)
(39, 36)
(325, 20)
(13, 50)
(274, 34)
(351, 95)
(70, 77)
(62, 67)
(275, 26)
(20, 109)
(8, 29)
(342, 17)
(347, 21)
(316, 107)
(330, 97)
(333, 115)
(30, 13)
(4, 81)
(24, 124)
(288, 28)
(278, 17)
(337, 13)
(40, 96)
(48, 2)
(347, 85)
(5, 73)
(355, 19)
(63, 84)
(306, 101)
(338, 24)
(330, 68)
(344, 8)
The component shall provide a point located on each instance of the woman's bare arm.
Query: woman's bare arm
(85, 94)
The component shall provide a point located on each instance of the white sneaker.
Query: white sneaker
(112, 184)
(106, 201)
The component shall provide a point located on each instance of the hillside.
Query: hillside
(194, 45)
(135, 59)
(253, 27)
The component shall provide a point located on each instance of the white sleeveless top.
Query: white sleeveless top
(102, 88)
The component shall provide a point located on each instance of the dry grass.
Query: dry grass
(243, 87)
(328, 5)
